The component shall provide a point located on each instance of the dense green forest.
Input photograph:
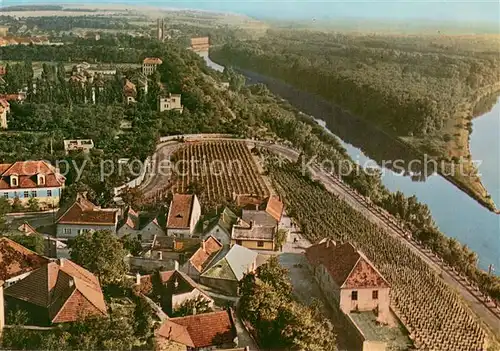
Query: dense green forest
(420, 90)
(397, 84)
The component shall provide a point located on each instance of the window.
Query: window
(33, 193)
(354, 296)
(67, 230)
(375, 294)
(260, 244)
(26, 194)
(238, 242)
(6, 195)
(49, 193)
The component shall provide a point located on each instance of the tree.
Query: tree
(35, 242)
(101, 253)
(275, 275)
(193, 306)
(280, 239)
(33, 204)
(5, 208)
(17, 205)
(132, 245)
(143, 318)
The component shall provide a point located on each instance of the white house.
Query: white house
(183, 215)
(133, 227)
(170, 102)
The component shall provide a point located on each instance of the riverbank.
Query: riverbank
(447, 147)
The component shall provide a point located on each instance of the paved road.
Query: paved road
(473, 299)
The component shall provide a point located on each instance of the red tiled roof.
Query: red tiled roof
(152, 61)
(66, 290)
(201, 330)
(82, 211)
(348, 267)
(5, 104)
(179, 214)
(170, 331)
(129, 88)
(274, 207)
(12, 97)
(202, 255)
(15, 259)
(27, 171)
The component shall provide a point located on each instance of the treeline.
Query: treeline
(67, 23)
(403, 89)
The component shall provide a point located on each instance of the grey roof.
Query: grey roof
(254, 232)
(237, 259)
(258, 217)
(226, 219)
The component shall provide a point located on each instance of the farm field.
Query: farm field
(219, 169)
(435, 316)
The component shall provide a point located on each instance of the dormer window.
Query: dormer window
(40, 179)
(14, 180)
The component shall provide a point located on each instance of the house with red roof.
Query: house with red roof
(31, 179)
(183, 215)
(176, 289)
(205, 331)
(202, 257)
(57, 292)
(149, 65)
(349, 279)
(84, 216)
(17, 262)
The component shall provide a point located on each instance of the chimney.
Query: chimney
(2, 312)
(61, 262)
(138, 278)
(176, 265)
(203, 245)
(194, 311)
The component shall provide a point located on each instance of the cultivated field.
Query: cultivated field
(434, 314)
(219, 169)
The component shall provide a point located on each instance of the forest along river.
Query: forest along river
(456, 213)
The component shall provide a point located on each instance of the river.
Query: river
(456, 214)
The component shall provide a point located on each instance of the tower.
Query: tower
(159, 29)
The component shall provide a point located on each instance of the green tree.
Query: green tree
(17, 205)
(280, 238)
(35, 242)
(101, 253)
(33, 204)
(197, 305)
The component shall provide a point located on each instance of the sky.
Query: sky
(486, 11)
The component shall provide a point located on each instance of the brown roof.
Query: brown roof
(348, 267)
(201, 257)
(82, 211)
(179, 214)
(129, 88)
(152, 61)
(201, 330)
(5, 104)
(68, 291)
(27, 172)
(200, 41)
(274, 207)
(15, 259)
(12, 97)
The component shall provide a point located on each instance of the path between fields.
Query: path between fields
(473, 299)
